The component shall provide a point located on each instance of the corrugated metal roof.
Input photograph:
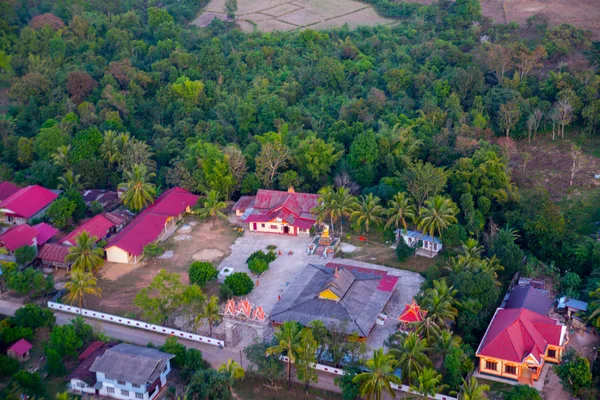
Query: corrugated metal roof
(28, 201)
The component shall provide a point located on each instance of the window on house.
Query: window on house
(121, 382)
(110, 390)
(274, 227)
(135, 385)
(124, 392)
(510, 369)
(552, 353)
(139, 395)
(262, 225)
(80, 384)
(491, 365)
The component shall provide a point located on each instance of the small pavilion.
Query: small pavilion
(412, 314)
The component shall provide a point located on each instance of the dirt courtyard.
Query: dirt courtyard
(286, 15)
(192, 241)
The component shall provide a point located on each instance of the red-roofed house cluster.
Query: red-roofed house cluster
(273, 211)
(521, 338)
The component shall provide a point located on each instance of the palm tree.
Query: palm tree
(210, 313)
(346, 203)
(439, 302)
(380, 376)
(62, 157)
(288, 341)
(110, 148)
(443, 343)
(490, 267)
(429, 383)
(401, 209)
(85, 256)
(69, 181)
(411, 355)
(428, 328)
(327, 206)
(81, 283)
(233, 371)
(595, 305)
(437, 215)
(472, 390)
(368, 212)
(212, 207)
(138, 191)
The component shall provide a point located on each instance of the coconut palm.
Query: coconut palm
(85, 256)
(439, 302)
(210, 313)
(437, 215)
(138, 191)
(491, 266)
(69, 181)
(233, 371)
(110, 148)
(82, 283)
(326, 207)
(401, 210)
(442, 343)
(472, 390)
(62, 157)
(211, 207)
(287, 337)
(380, 376)
(428, 328)
(346, 203)
(429, 383)
(411, 355)
(368, 212)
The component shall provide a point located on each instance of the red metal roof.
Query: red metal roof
(28, 201)
(19, 236)
(7, 189)
(97, 226)
(53, 252)
(293, 208)
(412, 313)
(91, 348)
(515, 333)
(244, 203)
(21, 347)
(148, 225)
(45, 232)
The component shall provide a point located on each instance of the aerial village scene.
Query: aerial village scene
(309, 199)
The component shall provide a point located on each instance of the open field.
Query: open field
(286, 15)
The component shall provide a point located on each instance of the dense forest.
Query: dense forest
(101, 90)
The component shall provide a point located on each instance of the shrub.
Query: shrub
(404, 251)
(54, 363)
(271, 247)
(240, 283)
(261, 255)
(522, 392)
(201, 273)
(11, 334)
(33, 316)
(25, 255)
(31, 383)
(153, 250)
(8, 366)
(29, 282)
(225, 292)
(258, 266)
(574, 372)
(172, 346)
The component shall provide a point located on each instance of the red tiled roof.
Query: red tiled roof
(28, 201)
(7, 189)
(515, 333)
(45, 232)
(293, 208)
(148, 225)
(53, 252)
(87, 358)
(19, 236)
(97, 226)
(21, 347)
(243, 203)
(412, 313)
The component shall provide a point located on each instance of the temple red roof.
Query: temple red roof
(516, 333)
(21, 347)
(7, 189)
(148, 225)
(28, 201)
(293, 208)
(98, 226)
(412, 313)
(18, 236)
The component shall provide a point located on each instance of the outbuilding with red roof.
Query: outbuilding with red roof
(26, 204)
(17, 237)
(157, 222)
(98, 226)
(19, 350)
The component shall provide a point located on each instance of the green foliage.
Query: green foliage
(225, 292)
(10, 334)
(8, 366)
(25, 255)
(60, 212)
(570, 283)
(240, 283)
(193, 362)
(258, 266)
(456, 365)
(404, 251)
(574, 372)
(350, 389)
(209, 384)
(172, 346)
(33, 316)
(29, 282)
(80, 207)
(153, 250)
(65, 341)
(201, 273)
(522, 392)
(54, 363)
(261, 364)
(30, 383)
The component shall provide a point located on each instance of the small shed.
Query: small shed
(20, 350)
(572, 306)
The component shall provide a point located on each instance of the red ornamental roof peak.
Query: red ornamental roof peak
(412, 313)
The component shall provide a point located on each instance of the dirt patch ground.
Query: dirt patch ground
(286, 15)
(121, 282)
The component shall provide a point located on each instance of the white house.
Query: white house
(429, 246)
(124, 371)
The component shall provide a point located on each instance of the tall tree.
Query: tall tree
(400, 211)
(472, 390)
(62, 157)
(380, 376)
(139, 192)
(327, 206)
(69, 181)
(368, 212)
(212, 207)
(85, 256)
(81, 284)
(346, 203)
(509, 116)
(411, 355)
(307, 358)
(288, 337)
(210, 313)
(233, 371)
(273, 156)
(423, 181)
(437, 215)
(429, 383)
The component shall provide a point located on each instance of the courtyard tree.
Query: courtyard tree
(233, 371)
(138, 191)
(380, 376)
(346, 203)
(200, 273)
(368, 212)
(327, 206)
(287, 339)
(440, 303)
(85, 256)
(210, 313)
(307, 350)
(61, 212)
(574, 372)
(82, 283)
(268, 367)
(212, 207)
(240, 283)
(274, 155)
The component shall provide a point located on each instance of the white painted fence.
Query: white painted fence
(115, 319)
(403, 388)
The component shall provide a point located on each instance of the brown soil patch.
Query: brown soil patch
(120, 282)
(208, 255)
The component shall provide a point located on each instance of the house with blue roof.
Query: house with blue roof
(426, 245)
